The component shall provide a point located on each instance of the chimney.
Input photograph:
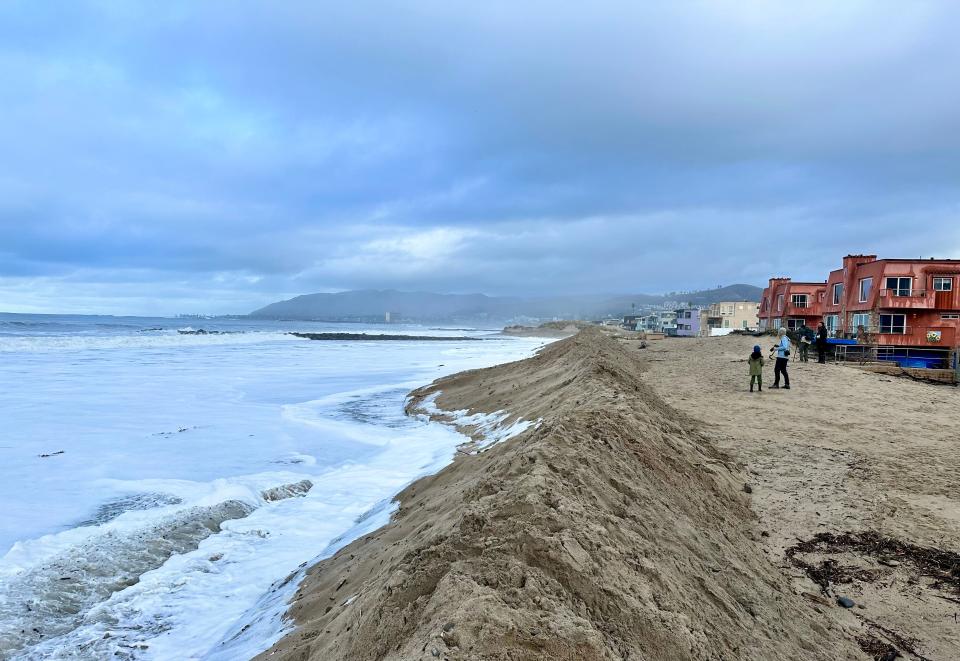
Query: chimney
(850, 262)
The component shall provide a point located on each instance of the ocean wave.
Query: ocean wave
(164, 339)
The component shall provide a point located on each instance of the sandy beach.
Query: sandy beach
(660, 511)
(843, 450)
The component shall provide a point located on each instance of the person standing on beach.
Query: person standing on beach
(756, 368)
(806, 336)
(783, 354)
(822, 343)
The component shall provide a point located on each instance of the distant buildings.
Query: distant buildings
(692, 321)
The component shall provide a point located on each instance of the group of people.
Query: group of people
(782, 351)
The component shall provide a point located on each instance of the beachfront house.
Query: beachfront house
(633, 322)
(668, 321)
(733, 315)
(790, 304)
(661, 321)
(896, 302)
(905, 308)
(691, 322)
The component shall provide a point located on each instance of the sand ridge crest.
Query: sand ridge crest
(614, 530)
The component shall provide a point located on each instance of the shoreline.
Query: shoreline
(612, 529)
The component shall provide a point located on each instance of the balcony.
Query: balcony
(809, 310)
(904, 299)
(934, 337)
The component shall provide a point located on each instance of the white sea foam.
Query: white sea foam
(154, 340)
(491, 427)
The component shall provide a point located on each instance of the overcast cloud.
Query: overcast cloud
(213, 157)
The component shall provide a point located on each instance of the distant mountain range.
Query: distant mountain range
(374, 305)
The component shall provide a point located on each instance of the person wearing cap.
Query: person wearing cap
(756, 368)
(782, 348)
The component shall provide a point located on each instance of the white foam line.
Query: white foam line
(490, 426)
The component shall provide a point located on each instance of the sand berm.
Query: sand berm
(613, 530)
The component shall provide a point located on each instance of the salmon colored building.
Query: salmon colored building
(887, 303)
(790, 304)
(896, 302)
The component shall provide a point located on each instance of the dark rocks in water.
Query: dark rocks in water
(747, 488)
(282, 492)
(111, 509)
(199, 331)
(378, 337)
(846, 602)
(51, 454)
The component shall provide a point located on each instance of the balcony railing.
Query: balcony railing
(809, 310)
(875, 330)
(903, 298)
(903, 293)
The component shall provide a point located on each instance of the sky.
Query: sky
(212, 157)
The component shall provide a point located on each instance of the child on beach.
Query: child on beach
(756, 368)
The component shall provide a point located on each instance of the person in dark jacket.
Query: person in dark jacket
(822, 343)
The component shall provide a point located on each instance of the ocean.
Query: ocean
(161, 479)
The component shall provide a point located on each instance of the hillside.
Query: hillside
(372, 305)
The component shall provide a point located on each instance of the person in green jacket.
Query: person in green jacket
(756, 368)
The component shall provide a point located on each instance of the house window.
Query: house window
(794, 324)
(950, 316)
(837, 293)
(865, 285)
(861, 319)
(899, 286)
(744, 324)
(893, 324)
(943, 284)
(779, 302)
(799, 300)
(777, 323)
